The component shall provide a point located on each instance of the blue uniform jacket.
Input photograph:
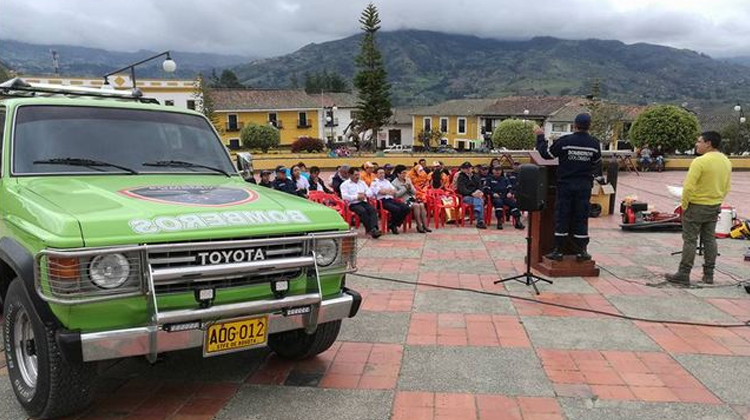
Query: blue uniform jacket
(579, 155)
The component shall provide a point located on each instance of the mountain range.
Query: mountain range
(425, 67)
(36, 59)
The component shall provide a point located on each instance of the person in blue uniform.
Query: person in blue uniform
(580, 159)
(282, 183)
(500, 191)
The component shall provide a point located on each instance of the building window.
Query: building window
(444, 141)
(232, 123)
(169, 102)
(427, 124)
(191, 104)
(462, 126)
(234, 144)
(560, 127)
(443, 125)
(302, 122)
(272, 117)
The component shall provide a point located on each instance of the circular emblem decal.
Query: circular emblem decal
(193, 195)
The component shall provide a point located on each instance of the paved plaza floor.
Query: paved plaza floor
(419, 352)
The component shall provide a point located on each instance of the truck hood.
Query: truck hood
(118, 210)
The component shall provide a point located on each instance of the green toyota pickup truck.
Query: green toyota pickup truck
(126, 230)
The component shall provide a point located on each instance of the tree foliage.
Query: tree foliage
(325, 82)
(261, 137)
(308, 144)
(667, 126)
(228, 79)
(374, 102)
(204, 103)
(735, 138)
(514, 135)
(429, 138)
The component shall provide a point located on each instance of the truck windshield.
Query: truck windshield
(47, 138)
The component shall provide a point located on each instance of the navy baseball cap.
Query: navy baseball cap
(583, 121)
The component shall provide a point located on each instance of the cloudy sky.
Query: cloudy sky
(272, 27)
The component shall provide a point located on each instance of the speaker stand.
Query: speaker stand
(528, 278)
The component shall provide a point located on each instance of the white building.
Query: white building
(175, 92)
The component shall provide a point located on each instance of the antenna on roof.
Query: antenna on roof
(55, 62)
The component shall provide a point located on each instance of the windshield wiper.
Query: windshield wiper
(84, 162)
(184, 164)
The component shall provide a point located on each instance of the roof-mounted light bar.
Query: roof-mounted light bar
(20, 88)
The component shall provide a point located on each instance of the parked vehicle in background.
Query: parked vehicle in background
(398, 148)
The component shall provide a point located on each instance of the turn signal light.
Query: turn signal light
(64, 268)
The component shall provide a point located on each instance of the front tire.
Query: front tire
(45, 384)
(298, 345)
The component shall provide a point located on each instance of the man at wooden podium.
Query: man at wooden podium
(579, 155)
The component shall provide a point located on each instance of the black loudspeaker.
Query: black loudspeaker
(532, 187)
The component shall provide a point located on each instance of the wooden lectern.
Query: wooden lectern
(543, 233)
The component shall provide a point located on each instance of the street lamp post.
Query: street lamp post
(330, 121)
(168, 65)
(741, 120)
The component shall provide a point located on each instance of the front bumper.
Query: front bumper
(147, 341)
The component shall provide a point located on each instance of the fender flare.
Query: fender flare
(20, 260)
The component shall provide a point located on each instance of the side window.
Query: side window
(2, 137)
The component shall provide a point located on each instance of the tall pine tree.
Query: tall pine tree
(374, 104)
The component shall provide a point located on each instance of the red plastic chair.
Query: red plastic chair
(437, 206)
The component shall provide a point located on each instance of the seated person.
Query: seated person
(438, 177)
(384, 191)
(317, 184)
(342, 174)
(265, 179)
(645, 159)
(303, 185)
(282, 183)
(389, 174)
(355, 193)
(499, 189)
(369, 173)
(469, 187)
(658, 157)
(405, 191)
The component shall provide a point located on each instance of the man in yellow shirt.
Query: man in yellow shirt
(704, 189)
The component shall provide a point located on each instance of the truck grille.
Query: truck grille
(186, 255)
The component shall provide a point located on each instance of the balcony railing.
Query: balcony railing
(303, 124)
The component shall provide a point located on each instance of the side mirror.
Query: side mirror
(245, 165)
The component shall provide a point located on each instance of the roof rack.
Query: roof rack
(19, 88)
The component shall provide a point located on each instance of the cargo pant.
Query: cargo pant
(699, 220)
(572, 210)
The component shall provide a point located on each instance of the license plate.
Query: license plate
(228, 337)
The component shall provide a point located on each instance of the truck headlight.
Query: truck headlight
(109, 271)
(326, 251)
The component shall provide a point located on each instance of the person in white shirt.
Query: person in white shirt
(355, 192)
(303, 185)
(384, 191)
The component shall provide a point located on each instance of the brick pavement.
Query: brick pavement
(419, 352)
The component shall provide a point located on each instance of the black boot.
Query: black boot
(555, 255)
(583, 255)
(499, 224)
(519, 225)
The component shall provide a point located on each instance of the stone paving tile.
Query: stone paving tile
(585, 333)
(680, 308)
(447, 406)
(726, 376)
(607, 285)
(392, 252)
(9, 407)
(458, 266)
(630, 410)
(294, 403)
(360, 284)
(585, 301)
(619, 375)
(485, 282)
(507, 371)
(449, 301)
(738, 308)
(466, 330)
(387, 300)
(699, 339)
(376, 327)
(383, 265)
(345, 365)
